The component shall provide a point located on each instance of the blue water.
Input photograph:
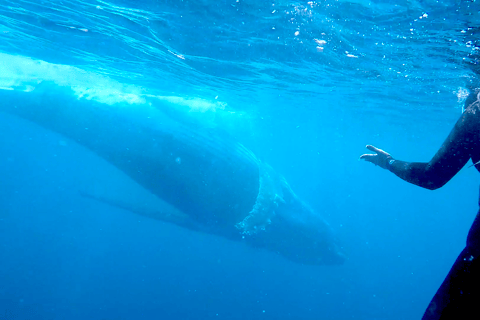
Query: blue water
(392, 75)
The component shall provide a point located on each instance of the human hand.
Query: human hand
(380, 158)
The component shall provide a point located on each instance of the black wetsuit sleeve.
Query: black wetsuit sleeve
(448, 161)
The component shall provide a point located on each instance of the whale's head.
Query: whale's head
(300, 234)
(303, 236)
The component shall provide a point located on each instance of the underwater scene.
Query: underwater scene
(199, 159)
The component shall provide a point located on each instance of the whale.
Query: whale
(216, 184)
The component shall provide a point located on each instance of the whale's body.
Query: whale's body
(217, 185)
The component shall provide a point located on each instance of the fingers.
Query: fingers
(371, 157)
(368, 157)
(370, 147)
(376, 150)
(380, 158)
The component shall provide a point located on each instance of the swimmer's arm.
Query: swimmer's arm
(447, 162)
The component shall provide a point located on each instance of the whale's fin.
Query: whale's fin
(166, 214)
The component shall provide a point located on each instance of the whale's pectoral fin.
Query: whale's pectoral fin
(166, 213)
(117, 203)
(269, 197)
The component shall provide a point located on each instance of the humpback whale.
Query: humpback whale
(216, 184)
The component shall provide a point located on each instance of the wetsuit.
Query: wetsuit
(459, 295)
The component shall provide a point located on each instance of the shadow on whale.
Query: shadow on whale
(214, 183)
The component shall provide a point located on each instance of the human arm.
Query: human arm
(447, 162)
